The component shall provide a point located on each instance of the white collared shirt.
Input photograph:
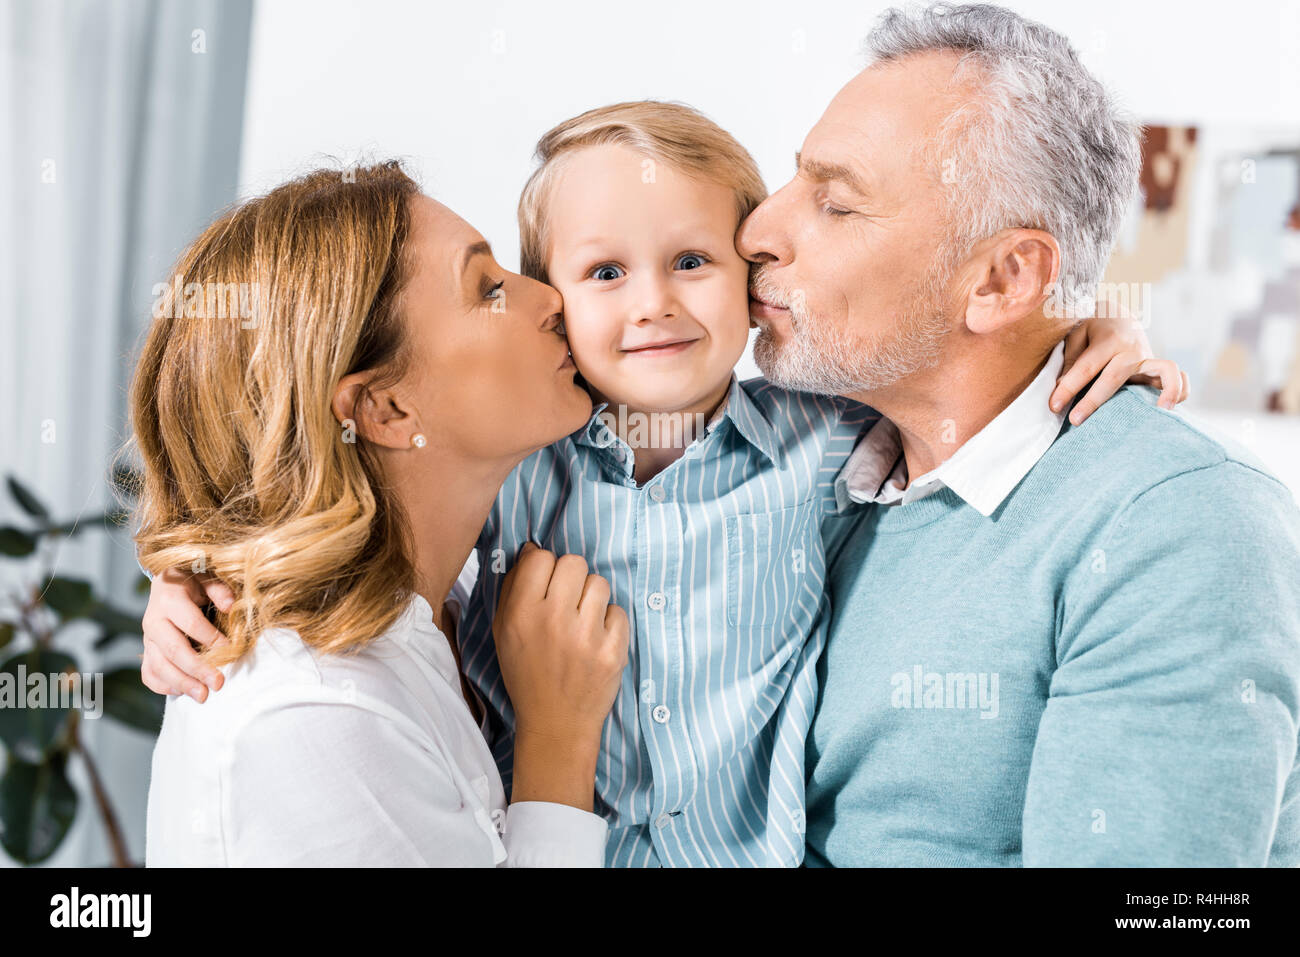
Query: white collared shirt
(367, 759)
(982, 472)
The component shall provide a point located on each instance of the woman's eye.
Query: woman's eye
(690, 261)
(606, 273)
(497, 290)
(835, 211)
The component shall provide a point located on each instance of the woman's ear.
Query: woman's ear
(377, 416)
(1017, 271)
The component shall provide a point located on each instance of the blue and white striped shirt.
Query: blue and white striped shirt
(718, 562)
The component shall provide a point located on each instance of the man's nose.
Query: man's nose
(757, 239)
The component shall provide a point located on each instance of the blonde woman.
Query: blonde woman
(331, 454)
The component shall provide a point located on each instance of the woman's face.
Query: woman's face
(491, 376)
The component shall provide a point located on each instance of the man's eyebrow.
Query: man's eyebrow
(480, 248)
(827, 171)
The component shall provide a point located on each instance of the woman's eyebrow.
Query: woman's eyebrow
(480, 248)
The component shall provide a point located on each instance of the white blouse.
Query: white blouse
(368, 759)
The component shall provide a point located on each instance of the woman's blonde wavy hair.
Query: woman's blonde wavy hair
(246, 472)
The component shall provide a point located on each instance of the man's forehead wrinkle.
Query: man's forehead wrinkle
(847, 145)
(908, 139)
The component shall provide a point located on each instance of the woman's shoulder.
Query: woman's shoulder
(375, 728)
(282, 670)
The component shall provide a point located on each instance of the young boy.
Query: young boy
(698, 497)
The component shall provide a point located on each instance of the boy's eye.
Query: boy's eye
(690, 261)
(607, 272)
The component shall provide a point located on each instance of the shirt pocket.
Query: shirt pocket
(776, 572)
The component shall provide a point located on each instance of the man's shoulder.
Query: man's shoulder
(1131, 445)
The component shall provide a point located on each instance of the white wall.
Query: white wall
(463, 90)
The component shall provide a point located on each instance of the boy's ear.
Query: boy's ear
(377, 416)
(1014, 273)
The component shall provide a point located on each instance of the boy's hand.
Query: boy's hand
(562, 648)
(1117, 347)
(561, 645)
(173, 617)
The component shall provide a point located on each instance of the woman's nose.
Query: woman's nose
(551, 307)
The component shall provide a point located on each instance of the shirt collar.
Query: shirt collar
(737, 407)
(749, 421)
(982, 472)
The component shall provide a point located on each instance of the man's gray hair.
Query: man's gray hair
(1042, 145)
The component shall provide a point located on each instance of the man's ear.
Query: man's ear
(1015, 272)
(377, 416)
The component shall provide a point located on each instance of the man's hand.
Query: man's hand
(174, 618)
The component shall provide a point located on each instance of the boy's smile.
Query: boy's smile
(664, 347)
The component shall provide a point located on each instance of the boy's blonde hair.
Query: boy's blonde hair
(670, 133)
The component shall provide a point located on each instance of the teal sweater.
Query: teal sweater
(1106, 671)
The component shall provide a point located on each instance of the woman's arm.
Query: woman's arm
(336, 784)
(343, 783)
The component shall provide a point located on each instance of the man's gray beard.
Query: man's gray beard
(815, 360)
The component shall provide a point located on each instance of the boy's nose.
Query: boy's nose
(654, 300)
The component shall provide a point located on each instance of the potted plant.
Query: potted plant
(43, 690)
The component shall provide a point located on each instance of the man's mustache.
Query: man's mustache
(761, 287)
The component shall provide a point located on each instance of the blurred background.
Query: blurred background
(129, 124)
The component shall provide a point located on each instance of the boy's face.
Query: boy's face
(656, 304)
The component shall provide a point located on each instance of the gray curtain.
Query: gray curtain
(120, 122)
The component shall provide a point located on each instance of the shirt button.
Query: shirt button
(657, 600)
(661, 714)
(657, 493)
(662, 821)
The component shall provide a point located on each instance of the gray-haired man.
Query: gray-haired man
(1050, 645)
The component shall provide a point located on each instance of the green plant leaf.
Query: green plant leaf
(37, 807)
(129, 701)
(115, 620)
(6, 632)
(28, 502)
(16, 543)
(70, 597)
(32, 733)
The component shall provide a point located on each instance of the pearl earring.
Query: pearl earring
(418, 440)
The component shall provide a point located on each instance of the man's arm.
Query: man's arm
(1172, 723)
